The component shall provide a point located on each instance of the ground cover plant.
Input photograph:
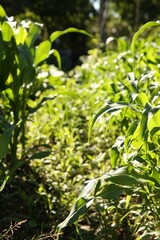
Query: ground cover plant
(60, 146)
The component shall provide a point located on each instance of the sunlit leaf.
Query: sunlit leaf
(7, 32)
(58, 57)
(110, 108)
(42, 52)
(57, 34)
(4, 183)
(141, 133)
(21, 35)
(154, 123)
(140, 31)
(2, 12)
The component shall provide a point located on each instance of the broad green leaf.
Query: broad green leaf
(140, 135)
(128, 198)
(110, 108)
(125, 180)
(115, 150)
(114, 156)
(25, 57)
(21, 35)
(156, 174)
(39, 105)
(88, 188)
(57, 34)
(124, 176)
(42, 52)
(7, 32)
(33, 34)
(58, 57)
(82, 204)
(4, 141)
(140, 31)
(132, 129)
(40, 155)
(142, 98)
(110, 191)
(78, 210)
(2, 12)
(154, 123)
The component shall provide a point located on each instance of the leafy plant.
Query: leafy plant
(134, 178)
(23, 71)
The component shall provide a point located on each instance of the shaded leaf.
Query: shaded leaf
(40, 155)
(4, 141)
(33, 34)
(110, 191)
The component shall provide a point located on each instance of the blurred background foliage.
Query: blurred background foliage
(44, 189)
(102, 18)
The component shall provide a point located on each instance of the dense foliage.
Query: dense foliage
(54, 138)
(116, 18)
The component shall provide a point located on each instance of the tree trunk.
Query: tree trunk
(137, 20)
(102, 18)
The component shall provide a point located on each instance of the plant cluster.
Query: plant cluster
(49, 142)
(127, 197)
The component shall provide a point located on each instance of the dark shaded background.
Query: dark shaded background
(114, 17)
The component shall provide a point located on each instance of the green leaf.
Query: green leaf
(142, 98)
(110, 191)
(156, 174)
(4, 141)
(78, 210)
(82, 204)
(57, 56)
(21, 36)
(110, 108)
(7, 32)
(57, 34)
(140, 31)
(154, 123)
(125, 177)
(141, 133)
(4, 183)
(42, 52)
(39, 105)
(125, 180)
(115, 150)
(2, 12)
(33, 34)
(40, 155)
